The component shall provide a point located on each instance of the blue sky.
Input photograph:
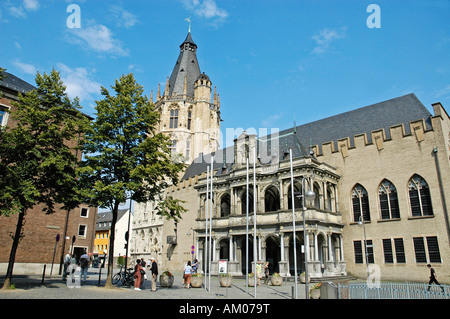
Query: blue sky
(273, 62)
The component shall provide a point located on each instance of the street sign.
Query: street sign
(57, 238)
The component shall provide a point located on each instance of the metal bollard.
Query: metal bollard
(43, 275)
(99, 275)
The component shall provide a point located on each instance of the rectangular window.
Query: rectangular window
(2, 115)
(415, 203)
(384, 206)
(84, 212)
(356, 209)
(399, 250)
(387, 248)
(173, 118)
(419, 249)
(395, 210)
(173, 148)
(370, 255)
(425, 198)
(82, 230)
(433, 250)
(188, 149)
(358, 252)
(189, 120)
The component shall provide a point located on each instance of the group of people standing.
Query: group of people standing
(140, 275)
(83, 263)
(188, 271)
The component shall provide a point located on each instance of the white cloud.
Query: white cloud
(25, 67)
(445, 91)
(325, 37)
(205, 8)
(123, 17)
(100, 39)
(271, 120)
(17, 12)
(20, 11)
(31, 5)
(79, 82)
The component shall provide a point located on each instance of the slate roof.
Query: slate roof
(14, 83)
(186, 65)
(383, 115)
(106, 217)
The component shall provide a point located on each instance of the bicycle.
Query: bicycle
(124, 277)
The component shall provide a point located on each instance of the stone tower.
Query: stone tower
(190, 115)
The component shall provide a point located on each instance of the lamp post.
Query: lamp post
(310, 195)
(193, 246)
(361, 222)
(306, 197)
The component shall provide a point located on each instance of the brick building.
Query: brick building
(76, 228)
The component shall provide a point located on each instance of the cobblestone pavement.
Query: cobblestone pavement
(31, 287)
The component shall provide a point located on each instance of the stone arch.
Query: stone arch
(297, 201)
(225, 205)
(273, 254)
(271, 198)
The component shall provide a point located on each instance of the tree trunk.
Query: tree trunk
(111, 246)
(12, 255)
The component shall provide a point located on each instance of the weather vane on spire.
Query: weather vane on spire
(189, 20)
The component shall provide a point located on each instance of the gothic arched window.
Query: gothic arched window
(225, 205)
(360, 200)
(387, 193)
(272, 199)
(419, 197)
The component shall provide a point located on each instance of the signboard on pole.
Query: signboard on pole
(223, 266)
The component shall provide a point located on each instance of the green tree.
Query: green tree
(38, 155)
(126, 158)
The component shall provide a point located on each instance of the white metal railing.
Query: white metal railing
(392, 290)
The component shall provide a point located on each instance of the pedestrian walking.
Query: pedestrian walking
(187, 275)
(154, 273)
(84, 264)
(138, 275)
(67, 259)
(433, 278)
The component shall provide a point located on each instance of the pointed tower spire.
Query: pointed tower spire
(166, 90)
(186, 66)
(151, 96)
(158, 94)
(215, 96)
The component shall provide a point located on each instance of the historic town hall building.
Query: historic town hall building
(380, 174)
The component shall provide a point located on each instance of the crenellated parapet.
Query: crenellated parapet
(417, 129)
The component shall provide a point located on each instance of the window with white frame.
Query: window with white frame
(3, 115)
(84, 212)
(82, 230)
